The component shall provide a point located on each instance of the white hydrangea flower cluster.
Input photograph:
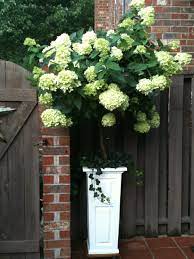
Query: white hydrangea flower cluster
(155, 120)
(108, 120)
(82, 48)
(140, 49)
(137, 4)
(63, 39)
(128, 40)
(55, 118)
(37, 73)
(110, 32)
(174, 44)
(67, 81)
(85, 48)
(127, 23)
(116, 53)
(29, 42)
(48, 82)
(92, 89)
(102, 45)
(142, 125)
(46, 99)
(183, 58)
(63, 56)
(147, 86)
(114, 98)
(147, 15)
(89, 37)
(168, 62)
(90, 74)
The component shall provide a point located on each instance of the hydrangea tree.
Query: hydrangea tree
(107, 74)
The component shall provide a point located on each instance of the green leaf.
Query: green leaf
(113, 66)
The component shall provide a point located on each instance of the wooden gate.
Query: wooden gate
(19, 167)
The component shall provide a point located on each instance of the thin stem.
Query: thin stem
(102, 145)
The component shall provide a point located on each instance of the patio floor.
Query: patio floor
(149, 248)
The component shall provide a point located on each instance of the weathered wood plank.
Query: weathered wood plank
(163, 158)
(175, 156)
(2, 74)
(23, 246)
(16, 76)
(18, 95)
(192, 165)
(186, 147)
(16, 185)
(140, 193)
(151, 181)
(128, 202)
(30, 135)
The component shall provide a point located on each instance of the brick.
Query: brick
(64, 178)
(56, 207)
(63, 160)
(64, 141)
(48, 235)
(57, 243)
(48, 216)
(65, 234)
(56, 150)
(65, 215)
(54, 131)
(48, 179)
(56, 188)
(47, 198)
(64, 198)
(47, 141)
(47, 160)
(48, 254)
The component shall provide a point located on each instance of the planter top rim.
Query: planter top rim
(104, 170)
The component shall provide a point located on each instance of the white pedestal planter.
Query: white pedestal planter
(103, 219)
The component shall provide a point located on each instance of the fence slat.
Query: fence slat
(192, 166)
(175, 156)
(186, 147)
(163, 157)
(140, 188)
(128, 209)
(151, 181)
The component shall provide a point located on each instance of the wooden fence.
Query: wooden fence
(164, 203)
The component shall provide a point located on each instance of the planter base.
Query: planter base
(96, 254)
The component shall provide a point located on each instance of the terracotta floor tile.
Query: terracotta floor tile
(136, 255)
(161, 242)
(185, 241)
(133, 244)
(168, 253)
(188, 252)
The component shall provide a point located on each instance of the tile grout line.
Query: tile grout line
(179, 247)
(149, 249)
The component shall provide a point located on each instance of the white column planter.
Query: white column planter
(103, 219)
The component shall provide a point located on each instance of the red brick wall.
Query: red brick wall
(56, 193)
(174, 20)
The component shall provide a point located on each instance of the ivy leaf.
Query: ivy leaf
(97, 182)
(91, 176)
(91, 188)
